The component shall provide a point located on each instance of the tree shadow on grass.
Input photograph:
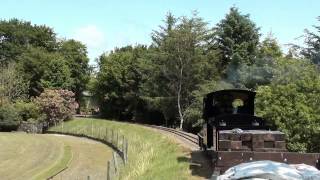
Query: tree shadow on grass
(200, 164)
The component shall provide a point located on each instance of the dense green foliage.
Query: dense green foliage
(291, 101)
(11, 115)
(76, 62)
(180, 62)
(44, 70)
(12, 85)
(16, 36)
(119, 81)
(269, 48)
(42, 59)
(9, 118)
(33, 59)
(237, 37)
(164, 83)
(51, 107)
(29, 111)
(312, 40)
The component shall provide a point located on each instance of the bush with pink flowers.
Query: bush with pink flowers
(58, 105)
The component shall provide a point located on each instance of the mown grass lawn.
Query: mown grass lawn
(151, 155)
(29, 156)
(39, 156)
(89, 158)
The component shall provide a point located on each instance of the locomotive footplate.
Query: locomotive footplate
(223, 160)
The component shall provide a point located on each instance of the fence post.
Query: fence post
(123, 147)
(126, 154)
(111, 136)
(91, 127)
(106, 136)
(115, 163)
(117, 139)
(108, 172)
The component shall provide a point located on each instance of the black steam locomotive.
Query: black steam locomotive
(227, 110)
(232, 134)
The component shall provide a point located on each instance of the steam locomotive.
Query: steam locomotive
(232, 134)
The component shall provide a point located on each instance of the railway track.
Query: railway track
(190, 139)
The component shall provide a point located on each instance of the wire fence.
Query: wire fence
(108, 136)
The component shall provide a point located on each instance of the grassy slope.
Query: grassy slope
(23, 156)
(151, 155)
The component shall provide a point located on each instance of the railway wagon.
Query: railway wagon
(232, 134)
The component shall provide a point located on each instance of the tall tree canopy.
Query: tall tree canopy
(75, 54)
(312, 40)
(181, 62)
(17, 35)
(12, 85)
(237, 38)
(44, 70)
(269, 48)
(187, 60)
(42, 59)
(118, 82)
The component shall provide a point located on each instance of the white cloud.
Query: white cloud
(90, 35)
(94, 38)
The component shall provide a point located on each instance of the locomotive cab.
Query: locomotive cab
(227, 110)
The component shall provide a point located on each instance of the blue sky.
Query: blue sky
(105, 24)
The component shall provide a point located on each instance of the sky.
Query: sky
(105, 24)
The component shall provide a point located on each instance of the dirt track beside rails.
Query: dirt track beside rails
(200, 164)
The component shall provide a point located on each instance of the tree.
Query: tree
(269, 48)
(16, 36)
(312, 40)
(237, 38)
(75, 54)
(118, 82)
(260, 72)
(56, 73)
(44, 70)
(181, 63)
(12, 85)
(291, 102)
(42, 58)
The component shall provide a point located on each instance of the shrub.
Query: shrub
(291, 102)
(12, 84)
(9, 118)
(58, 105)
(29, 111)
